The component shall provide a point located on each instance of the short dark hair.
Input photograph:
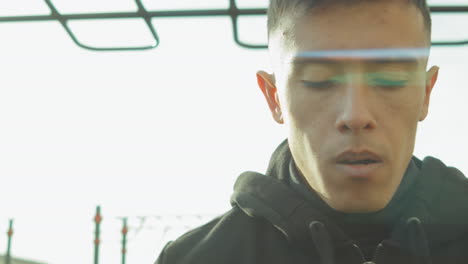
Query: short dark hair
(280, 10)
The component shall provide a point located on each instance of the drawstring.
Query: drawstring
(322, 242)
(418, 241)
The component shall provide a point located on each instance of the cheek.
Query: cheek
(308, 113)
(405, 106)
(398, 119)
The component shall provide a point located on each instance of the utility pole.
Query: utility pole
(10, 234)
(97, 220)
(124, 240)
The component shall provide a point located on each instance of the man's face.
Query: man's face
(358, 105)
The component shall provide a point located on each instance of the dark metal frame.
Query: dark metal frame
(233, 12)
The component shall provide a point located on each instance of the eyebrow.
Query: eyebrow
(299, 64)
(376, 56)
(332, 61)
(411, 61)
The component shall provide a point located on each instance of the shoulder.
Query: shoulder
(446, 177)
(445, 190)
(215, 241)
(453, 186)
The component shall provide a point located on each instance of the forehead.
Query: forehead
(369, 25)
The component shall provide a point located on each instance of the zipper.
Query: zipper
(376, 252)
(360, 253)
(379, 246)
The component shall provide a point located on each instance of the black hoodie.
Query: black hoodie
(273, 222)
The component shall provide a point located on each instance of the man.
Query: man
(350, 83)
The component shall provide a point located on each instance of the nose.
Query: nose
(355, 113)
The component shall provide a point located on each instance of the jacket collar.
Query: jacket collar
(442, 211)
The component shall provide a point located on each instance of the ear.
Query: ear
(265, 83)
(431, 80)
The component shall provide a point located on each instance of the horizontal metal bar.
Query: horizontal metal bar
(450, 43)
(177, 13)
(233, 12)
(448, 9)
(181, 13)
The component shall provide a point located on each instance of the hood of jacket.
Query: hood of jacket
(437, 199)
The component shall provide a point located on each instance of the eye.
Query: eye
(391, 80)
(388, 83)
(320, 85)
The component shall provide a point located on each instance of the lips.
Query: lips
(354, 157)
(358, 164)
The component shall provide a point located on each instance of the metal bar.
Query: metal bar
(10, 234)
(448, 9)
(141, 13)
(124, 240)
(450, 43)
(97, 220)
(233, 12)
(181, 13)
(175, 13)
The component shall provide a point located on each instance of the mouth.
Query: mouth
(358, 164)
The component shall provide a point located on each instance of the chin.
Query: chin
(359, 206)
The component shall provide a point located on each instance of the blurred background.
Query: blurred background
(156, 136)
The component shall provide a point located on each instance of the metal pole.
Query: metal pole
(124, 240)
(182, 13)
(97, 220)
(10, 234)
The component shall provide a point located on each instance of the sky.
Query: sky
(157, 136)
